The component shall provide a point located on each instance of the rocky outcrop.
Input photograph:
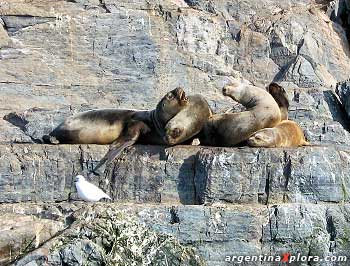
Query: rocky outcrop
(59, 58)
(183, 174)
(343, 91)
(218, 233)
(303, 184)
(62, 58)
(111, 236)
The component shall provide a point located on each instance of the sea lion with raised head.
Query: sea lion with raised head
(122, 128)
(106, 125)
(286, 134)
(230, 129)
(281, 98)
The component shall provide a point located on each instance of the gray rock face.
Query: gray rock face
(217, 233)
(62, 57)
(274, 175)
(187, 175)
(98, 54)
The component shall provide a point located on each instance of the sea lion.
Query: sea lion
(281, 97)
(286, 134)
(230, 129)
(122, 128)
(189, 121)
(106, 125)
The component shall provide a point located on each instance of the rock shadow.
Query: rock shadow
(337, 109)
(186, 184)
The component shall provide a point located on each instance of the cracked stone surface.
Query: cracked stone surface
(183, 174)
(214, 232)
(58, 58)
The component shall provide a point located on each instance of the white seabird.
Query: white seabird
(88, 191)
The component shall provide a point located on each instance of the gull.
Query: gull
(88, 191)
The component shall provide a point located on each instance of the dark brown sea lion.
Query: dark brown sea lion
(230, 129)
(122, 128)
(188, 122)
(285, 134)
(281, 97)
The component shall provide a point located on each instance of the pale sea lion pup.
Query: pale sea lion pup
(285, 134)
(230, 129)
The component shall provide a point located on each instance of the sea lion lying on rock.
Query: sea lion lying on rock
(189, 121)
(287, 133)
(107, 125)
(122, 128)
(230, 129)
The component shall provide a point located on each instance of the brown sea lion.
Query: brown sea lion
(285, 134)
(230, 129)
(122, 128)
(106, 125)
(281, 97)
(189, 121)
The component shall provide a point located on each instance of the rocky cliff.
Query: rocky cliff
(179, 205)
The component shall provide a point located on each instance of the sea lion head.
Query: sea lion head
(279, 94)
(233, 89)
(262, 138)
(172, 103)
(172, 135)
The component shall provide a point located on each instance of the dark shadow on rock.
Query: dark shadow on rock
(200, 179)
(37, 122)
(280, 76)
(20, 122)
(186, 181)
(337, 110)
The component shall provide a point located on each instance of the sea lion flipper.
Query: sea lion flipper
(48, 139)
(133, 131)
(114, 152)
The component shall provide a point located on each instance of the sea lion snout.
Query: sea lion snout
(181, 95)
(230, 88)
(224, 90)
(172, 135)
(263, 138)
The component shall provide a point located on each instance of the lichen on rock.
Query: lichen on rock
(108, 236)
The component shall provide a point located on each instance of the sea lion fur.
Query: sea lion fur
(286, 134)
(281, 98)
(230, 129)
